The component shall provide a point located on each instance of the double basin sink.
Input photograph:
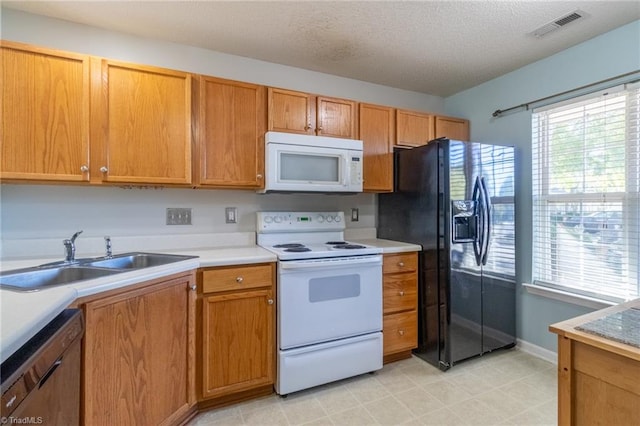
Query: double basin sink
(62, 273)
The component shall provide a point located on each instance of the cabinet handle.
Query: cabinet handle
(401, 332)
(239, 279)
(192, 287)
(258, 176)
(308, 126)
(401, 293)
(401, 264)
(270, 301)
(84, 169)
(104, 169)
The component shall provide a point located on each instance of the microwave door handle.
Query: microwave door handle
(346, 176)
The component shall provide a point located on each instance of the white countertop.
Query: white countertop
(24, 313)
(389, 246)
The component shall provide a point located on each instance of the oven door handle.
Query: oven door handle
(330, 263)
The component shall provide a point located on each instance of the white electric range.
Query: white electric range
(329, 294)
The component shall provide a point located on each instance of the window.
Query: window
(586, 209)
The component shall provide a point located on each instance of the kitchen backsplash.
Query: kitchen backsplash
(51, 213)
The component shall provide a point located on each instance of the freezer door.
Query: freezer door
(462, 281)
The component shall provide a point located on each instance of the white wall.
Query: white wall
(49, 211)
(606, 56)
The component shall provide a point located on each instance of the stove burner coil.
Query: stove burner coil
(289, 245)
(349, 246)
(297, 249)
(336, 243)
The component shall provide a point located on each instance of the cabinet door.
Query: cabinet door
(336, 118)
(291, 112)
(377, 131)
(231, 127)
(238, 341)
(141, 122)
(136, 356)
(414, 128)
(45, 114)
(452, 128)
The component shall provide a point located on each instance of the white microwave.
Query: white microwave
(304, 163)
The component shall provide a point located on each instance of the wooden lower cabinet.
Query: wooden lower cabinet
(400, 305)
(138, 358)
(597, 377)
(236, 347)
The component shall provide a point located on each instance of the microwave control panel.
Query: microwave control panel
(356, 170)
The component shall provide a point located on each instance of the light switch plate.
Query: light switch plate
(355, 215)
(178, 216)
(231, 214)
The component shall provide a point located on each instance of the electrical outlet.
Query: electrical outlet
(178, 216)
(231, 214)
(355, 215)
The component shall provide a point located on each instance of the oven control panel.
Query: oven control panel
(299, 221)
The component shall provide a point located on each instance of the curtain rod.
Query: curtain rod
(499, 112)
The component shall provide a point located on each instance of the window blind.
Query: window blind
(586, 208)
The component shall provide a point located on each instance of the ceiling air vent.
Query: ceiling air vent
(558, 23)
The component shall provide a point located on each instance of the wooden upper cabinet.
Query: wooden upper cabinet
(303, 113)
(291, 112)
(231, 123)
(141, 124)
(45, 114)
(336, 117)
(414, 128)
(452, 128)
(377, 131)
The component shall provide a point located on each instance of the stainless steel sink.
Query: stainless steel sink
(137, 260)
(35, 279)
(62, 273)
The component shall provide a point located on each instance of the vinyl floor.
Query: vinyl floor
(502, 388)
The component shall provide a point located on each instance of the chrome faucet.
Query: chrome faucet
(70, 248)
(107, 242)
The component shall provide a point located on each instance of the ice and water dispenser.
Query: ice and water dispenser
(465, 221)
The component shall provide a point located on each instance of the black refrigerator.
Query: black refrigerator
(456, 200)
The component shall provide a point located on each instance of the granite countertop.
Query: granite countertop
(24, 313)
(616, 329)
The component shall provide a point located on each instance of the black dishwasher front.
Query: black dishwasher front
(41, 380)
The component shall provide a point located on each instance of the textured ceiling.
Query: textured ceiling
(434, 47)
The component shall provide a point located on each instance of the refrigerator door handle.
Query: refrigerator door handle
(478, 213)
(487, 217)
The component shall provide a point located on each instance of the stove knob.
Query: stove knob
(268, 219)
(277, 219)
(329, 218)
(320, 218)
(338, 218)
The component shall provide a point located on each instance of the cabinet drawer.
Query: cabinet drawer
(400, 332)
(401, 262)
(234, 278)
(400, 292)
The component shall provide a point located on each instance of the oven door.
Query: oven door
(320, 300)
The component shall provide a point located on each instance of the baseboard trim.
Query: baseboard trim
(537, 351)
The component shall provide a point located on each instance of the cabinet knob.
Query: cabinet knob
(270, 301)
(259, 176)
(401, 332)
(401, 264)
(401, 293)
(84, 169)
(308, 126)
(239, 279)
(104, 169)
(192, 287)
